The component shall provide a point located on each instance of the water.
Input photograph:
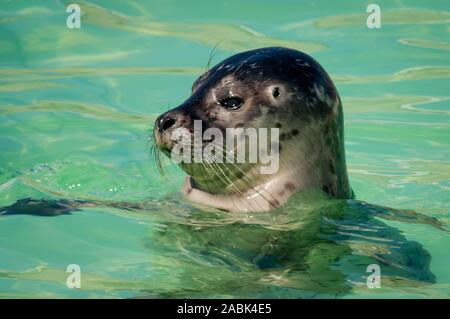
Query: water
(76, 106)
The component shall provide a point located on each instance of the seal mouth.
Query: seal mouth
(165, 143)
(162, 141)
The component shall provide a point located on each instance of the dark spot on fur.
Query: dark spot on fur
(274, 203)
(239, 174)
(272, 111)
(329, 189)
(285, 136)
(257, 112)
(294, 132)
(332, 169)
(281, 193)
(289, 186)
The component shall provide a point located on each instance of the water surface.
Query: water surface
(76, 106)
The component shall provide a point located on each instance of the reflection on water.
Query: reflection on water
(413, 16)
(235, 37)
(85, 109)
(76, 107)
(424, 43)
(416, 73)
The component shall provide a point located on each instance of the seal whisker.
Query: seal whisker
(245, 177)
(212, 54)
(205, 169)
(154, 152)
(240, 199)
(227, 180)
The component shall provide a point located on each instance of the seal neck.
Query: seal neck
(263, 197)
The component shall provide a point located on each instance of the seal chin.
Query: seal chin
(215, 178)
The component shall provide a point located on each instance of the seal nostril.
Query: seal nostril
(167, 123)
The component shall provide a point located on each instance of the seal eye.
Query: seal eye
(232, 103)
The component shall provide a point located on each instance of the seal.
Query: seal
(270, 87)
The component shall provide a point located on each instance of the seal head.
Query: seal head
(265, 88)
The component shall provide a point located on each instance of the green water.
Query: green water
(76, 106)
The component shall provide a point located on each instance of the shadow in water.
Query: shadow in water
(312, 247)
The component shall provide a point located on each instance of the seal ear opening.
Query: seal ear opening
(275, 92)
